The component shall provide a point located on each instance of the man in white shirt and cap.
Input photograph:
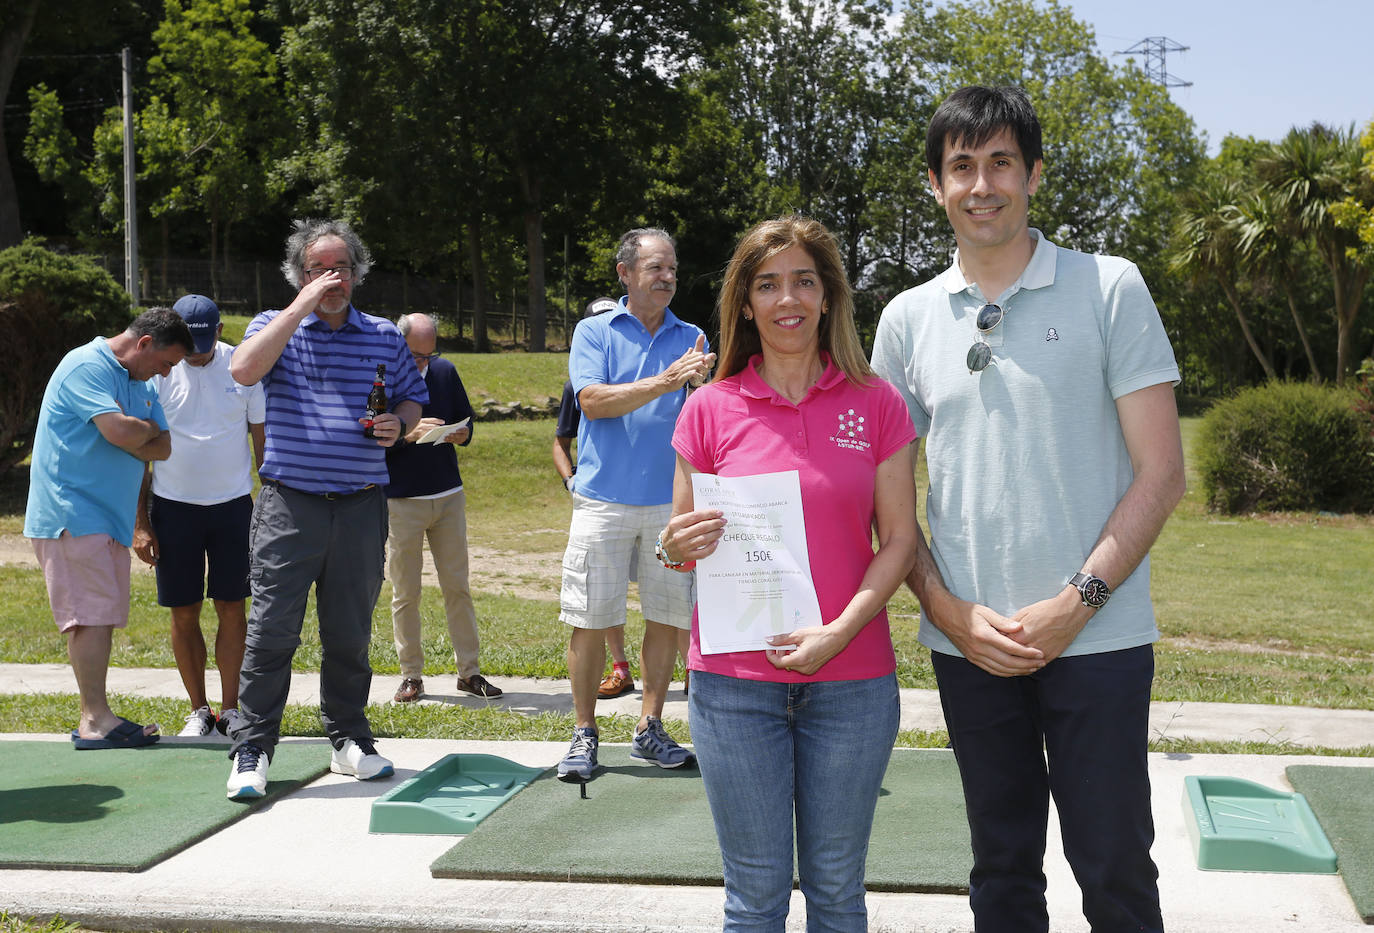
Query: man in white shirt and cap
(195, 512)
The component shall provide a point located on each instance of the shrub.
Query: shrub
(1286, 446)
(49, 303)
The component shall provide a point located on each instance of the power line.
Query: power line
(1155, 50)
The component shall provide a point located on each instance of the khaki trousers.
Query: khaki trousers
(444, 522)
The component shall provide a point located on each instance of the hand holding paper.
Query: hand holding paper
(440, 433)
(757, 583)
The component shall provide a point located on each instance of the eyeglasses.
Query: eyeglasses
(422, 357)
(343, 272)
(980, 354)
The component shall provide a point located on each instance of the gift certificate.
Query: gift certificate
(757, 583)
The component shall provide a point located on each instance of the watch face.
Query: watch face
(1095, 593)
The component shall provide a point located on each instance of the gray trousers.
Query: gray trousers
(337, 545)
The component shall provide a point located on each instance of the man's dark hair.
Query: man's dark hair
(165, 326)
(973, 115)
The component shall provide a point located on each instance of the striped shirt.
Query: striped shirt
(316, 392)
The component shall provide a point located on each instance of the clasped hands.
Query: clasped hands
(1022, 643)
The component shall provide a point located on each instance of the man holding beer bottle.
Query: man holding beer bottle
(321, 517)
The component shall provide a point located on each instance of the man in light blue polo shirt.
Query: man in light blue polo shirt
(630, 368)
(321, 517)
(99, 423)
(1042, 380)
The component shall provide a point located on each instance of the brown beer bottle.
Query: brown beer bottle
(376, 400)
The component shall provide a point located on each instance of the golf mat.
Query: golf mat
(125, 809)
(547, 832)
(1343, 799)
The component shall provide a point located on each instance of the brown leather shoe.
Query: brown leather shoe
(615, 685)
(410, 690)
(478, 686)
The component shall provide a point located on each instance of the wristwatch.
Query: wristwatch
(1093, 591)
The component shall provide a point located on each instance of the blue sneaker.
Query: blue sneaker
(656, 745)
(580, 761)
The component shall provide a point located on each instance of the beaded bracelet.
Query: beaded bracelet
(680, 565)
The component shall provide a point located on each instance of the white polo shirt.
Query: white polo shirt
(208, 413)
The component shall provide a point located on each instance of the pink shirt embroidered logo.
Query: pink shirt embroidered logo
(849, 434)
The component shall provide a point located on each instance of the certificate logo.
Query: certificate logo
(850, 431)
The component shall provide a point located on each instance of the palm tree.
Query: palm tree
(1207, 246)
(1267, 242)
(1308, 172)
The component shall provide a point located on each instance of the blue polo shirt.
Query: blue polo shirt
(316, 392)
(629, 459)
(78, 481)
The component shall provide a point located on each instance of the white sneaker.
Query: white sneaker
(248, 774)
(199, 723)
(361, 760)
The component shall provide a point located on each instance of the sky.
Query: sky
(1259, 67)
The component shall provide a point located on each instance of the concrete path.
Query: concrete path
(308, 861)
(1284, 727)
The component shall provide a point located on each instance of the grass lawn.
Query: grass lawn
(1256, 609)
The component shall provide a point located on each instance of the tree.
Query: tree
(16, 21)
(1207, 247)
(49, 303)
(558, 98)
(1309, 172)
(215, 100)
(1268, 244)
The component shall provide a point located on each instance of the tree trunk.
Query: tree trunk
(534, 250)
(1348, 292)
(214, 254)
(479, 286)
(1255, 348)
(15, 32)
(165, 228)
(1302, 331)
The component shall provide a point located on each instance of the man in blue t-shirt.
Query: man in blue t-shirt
(99, 423)
(320, 519)
(630, 369)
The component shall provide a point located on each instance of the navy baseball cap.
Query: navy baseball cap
(202, 317)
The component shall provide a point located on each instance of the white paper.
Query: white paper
(437, 434)
(757, 583)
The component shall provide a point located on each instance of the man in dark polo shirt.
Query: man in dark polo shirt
(426, 500)
(320, 519)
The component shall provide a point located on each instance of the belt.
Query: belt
(331, 496)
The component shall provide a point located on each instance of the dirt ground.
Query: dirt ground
(530, 576)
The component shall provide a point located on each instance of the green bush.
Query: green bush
(1286, 446)
(49, 303)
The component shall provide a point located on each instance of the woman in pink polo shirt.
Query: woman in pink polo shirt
(802, 733)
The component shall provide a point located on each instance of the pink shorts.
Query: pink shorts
(88, 579)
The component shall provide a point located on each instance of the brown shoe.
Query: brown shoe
(410, 690)
(615, 685)
(478, 686)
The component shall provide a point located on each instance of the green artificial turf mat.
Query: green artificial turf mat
(126, 809)
(547, 832)
(1343, 799)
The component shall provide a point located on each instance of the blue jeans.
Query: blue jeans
(816, 751)
(1077, 729)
